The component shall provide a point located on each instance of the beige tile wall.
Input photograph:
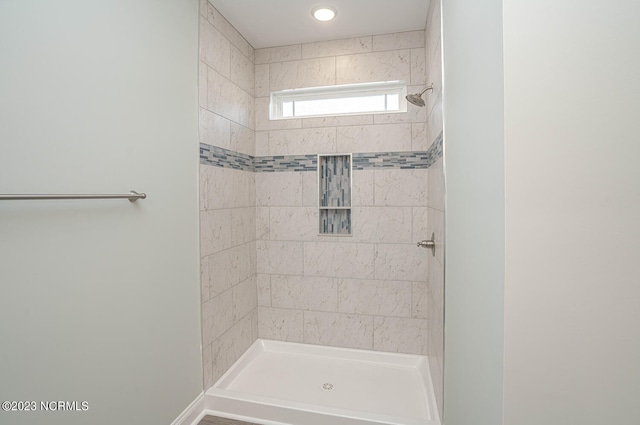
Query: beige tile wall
(366, 291)
(227, 196)
(265, 270)
(435, 206)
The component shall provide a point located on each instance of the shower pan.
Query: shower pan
(278, 382)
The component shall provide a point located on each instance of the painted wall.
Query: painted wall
(227, 195)
(99, 299)
(570, 305)
(366, 291)
(435, 202)
(474, 162)
(572, 340)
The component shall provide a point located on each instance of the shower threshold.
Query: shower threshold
(278, 382)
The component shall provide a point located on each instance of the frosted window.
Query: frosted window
(385, 97)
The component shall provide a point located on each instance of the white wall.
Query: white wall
(572, 295)
(474, 269)
(571, 340)
(100, 299)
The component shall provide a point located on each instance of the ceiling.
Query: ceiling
(269, 23)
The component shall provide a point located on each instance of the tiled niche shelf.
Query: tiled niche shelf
(334, 180)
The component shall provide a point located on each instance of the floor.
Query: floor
(215, 420)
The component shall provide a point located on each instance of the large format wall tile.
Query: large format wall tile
(374, 297)
(418, 66)
(217, 316)
(242, 71)
(341, 330)
(400, 335)
(304, 293)
(244, 298)
(338, 259)
(302, 74)
(293, 223)
(400, 187)
(226, 349)
(363, 189)
(280, 324)
(278, 54)
(214, 129)
(227, 196)
(227, 188)
(337, 121)
(375, 138)
(215, 49)
(420, 300)
(229, 267)
(229, 32)
(419, 137)
(372, 67)
(420, 225)
(279, 189)
(401, 262)
(302, 141)
(228, 100)
(280, 257)
(337, 47)
(382, 224)
(398, 40)
(202, 85)
(242, 139)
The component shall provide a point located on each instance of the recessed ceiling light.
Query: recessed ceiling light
(324, 13)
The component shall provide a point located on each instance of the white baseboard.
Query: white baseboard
(193, 413)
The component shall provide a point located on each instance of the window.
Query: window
(367, 98)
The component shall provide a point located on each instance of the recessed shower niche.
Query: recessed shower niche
(334, 180)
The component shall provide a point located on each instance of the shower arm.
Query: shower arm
(425, 89)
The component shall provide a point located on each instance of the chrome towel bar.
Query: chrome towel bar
(132, 196)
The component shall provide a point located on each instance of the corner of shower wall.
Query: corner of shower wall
(227, 194)
(436, 203)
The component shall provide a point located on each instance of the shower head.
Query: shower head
(416, 99)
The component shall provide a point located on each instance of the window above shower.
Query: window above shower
(349, 99)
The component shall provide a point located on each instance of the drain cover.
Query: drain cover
(327, 386)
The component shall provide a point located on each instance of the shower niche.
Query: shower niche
(334, 180)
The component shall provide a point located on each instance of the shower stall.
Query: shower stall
(319, 307)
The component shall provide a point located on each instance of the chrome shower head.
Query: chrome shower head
(416, 99)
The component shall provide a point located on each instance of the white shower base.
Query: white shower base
(286, 383)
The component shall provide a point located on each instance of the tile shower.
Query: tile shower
(267, 269)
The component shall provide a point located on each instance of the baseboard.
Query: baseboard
(193, 413)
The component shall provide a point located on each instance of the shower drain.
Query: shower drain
(327, 386)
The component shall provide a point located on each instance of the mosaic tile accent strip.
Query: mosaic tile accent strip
(335, 222)
(402, 160)
(267, 164)
(335, 181)
(220, 157)
(435, 151)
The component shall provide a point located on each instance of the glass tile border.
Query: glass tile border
(220, 157)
